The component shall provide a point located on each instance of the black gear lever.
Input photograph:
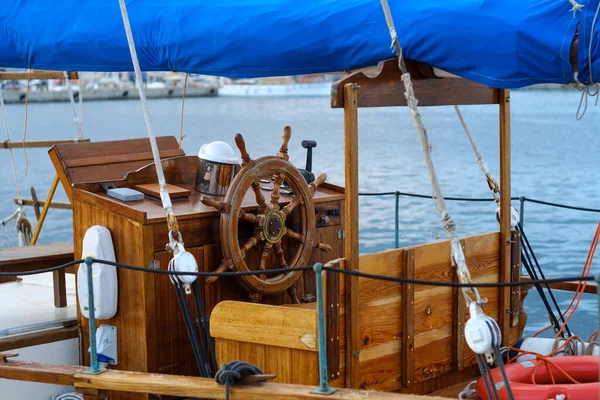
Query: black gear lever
(307, 173)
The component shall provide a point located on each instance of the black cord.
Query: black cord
(528, 247)
(578, 278)
(231, 372)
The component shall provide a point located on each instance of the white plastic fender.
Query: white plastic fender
(97, 243)
(544, 346)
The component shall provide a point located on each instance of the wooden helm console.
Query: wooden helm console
(269, 221)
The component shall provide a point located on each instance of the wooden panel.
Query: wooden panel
(385, 88)
(130, 320)
(379, 308)
(381, 367)
(264, 324)
(350, 94)
(305, 367)
(174, 354)
(79, 163)
(408, 319)
(279, 361)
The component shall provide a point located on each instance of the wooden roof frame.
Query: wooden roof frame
(386, 89)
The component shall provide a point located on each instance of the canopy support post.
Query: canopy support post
(504, 315)
(351, 231)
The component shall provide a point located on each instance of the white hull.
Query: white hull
(293, 89)
(108, 94)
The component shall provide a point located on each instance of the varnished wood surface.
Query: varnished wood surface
(35, 74)
(37, 338)
(591, 287)
(37, 144)
(387, 89)
(505, 318)
(192, 208)
(170, 385)
(351, 231)
(30, 258)
(84, 163)
(288, 327)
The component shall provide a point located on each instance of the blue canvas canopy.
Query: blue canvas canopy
(500, 43)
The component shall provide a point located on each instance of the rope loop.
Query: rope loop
(231, 373)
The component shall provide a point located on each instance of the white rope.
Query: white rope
(72, 100)
(493, 185)
(448, 223)
(12, 154)
(164, 195)
(576, 7)
(80, 131)
(467, 391)
(586, 90)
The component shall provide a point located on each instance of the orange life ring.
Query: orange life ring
(583, 369)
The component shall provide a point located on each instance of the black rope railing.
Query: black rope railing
(578, 278)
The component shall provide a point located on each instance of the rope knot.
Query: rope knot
(233, 371)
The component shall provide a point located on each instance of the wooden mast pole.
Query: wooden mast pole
(504, 315)
(351, 231)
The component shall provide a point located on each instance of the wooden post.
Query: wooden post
(351, 231)
(504, 316)
(58, 277)
(38, 227)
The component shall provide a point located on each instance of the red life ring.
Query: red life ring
(583, 369)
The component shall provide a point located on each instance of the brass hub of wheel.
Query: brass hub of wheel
(273, 226)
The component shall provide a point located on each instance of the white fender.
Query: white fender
(97, 243)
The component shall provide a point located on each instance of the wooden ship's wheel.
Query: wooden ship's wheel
(269, 222)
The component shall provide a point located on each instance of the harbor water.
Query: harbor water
(554, 158)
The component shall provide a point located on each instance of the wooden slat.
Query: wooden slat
(333, 321)
(408, 320)
(350, 94)
(55, 204)
(172, 385)
(31, 258)
(37, 144)
(515, 275)
(35, 74)
(37, 338)
(386, 88)
(60, 288)
(505, 213)
(591, 287)
(119, 158)
(264, 324)
(458, 324)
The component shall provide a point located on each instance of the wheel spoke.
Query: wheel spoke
(293, 292)
(223, 267)
(264, 256)
(260, 199)
(251, 218)
(295, 235)
(275, 196)
(285, 138)
(253, 241)
(313, 186)
(219, 205)
(241, 144)
(280, 256)
(321, 246)
(287, 210)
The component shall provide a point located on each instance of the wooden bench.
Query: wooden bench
(42, 256)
